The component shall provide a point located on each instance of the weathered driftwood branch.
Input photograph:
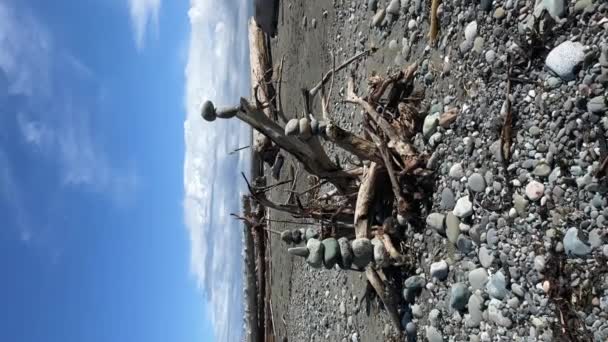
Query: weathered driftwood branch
(364, 199)
(378, 285)
(329, 74)
(360, 147)
(251, 304)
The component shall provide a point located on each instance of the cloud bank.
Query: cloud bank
(144, 14)
(217, 69)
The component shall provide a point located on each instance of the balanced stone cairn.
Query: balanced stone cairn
(347, 254)
(305, 128)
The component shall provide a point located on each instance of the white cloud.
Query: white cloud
(218, 70)
(43, 125)
(144, 13)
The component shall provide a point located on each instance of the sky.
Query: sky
(114, 194)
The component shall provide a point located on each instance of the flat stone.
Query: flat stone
(595, 238)
(393, 7)
(476, 182)
(316, 249)
(430, 125)
(597, 105)
(456, 171)
(464, 244)
(470, 31)
(305, 128)
(581, 5)
(495, 314)
(453, 227)
(486, 258)
(436, 221)
(500, 13)
(497, 286)
(539, 263)
(474, 305)
(542, 170)
(565, 58)
(535, 190)
(417, 311)
(520, 203)
(433, 335)
(463, 208)
(346, 253)
(363, 252)
(299, 251)
(478, 278)
(556, 8)
(491, 237)
(447, 199)
(392, 45)
(459, 296)
(573, 246)
(331, 252)
(440, 270)
(414, 283)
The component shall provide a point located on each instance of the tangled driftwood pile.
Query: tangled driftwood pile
(355, 210)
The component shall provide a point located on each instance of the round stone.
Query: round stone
(439, 270)
(447, 199)
(296, 236)
(456, 171)
(299, 251)
(470, 31)
(311, 233)
(477, 183)
(453, 227)
(565, 58)
(497, 285)
(292, 127)
(208, 111)
(478, 278)
(542, 170)
(535, 190)
(459, 296)
(486, 258)
(573, 246)
(463, 208)
(435, 221)
(381, 258)
(286, 236)
(363, 252)
(305, 128)
(331, 252)
(346, 253)
(315, 257)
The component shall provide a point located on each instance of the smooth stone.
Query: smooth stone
(392, 45)
(459, 296)
(305, 129)
(311, 233)
(296, 236)
(478, 278)
(430, 125)
(486, 258)
(417, 311)
(500, 13)
(564, 59)
(542, 170)
(372, 5)
(208, 111)
(331, 252)
(477, 183)
(447, 199)
(393, 7)
(299, 251)
(292, 127)
(381, 258)
(556, 8)
(518, 290)
(410, 329)
(597, 105)
(435, 221)
(520, 203)
(315, 257)
(513, 302)
(456, 171)
(573, 246)
(539, 263)
(363, 252)
(433, 335)
(378, 17)
(474, 305)
(470, 31)
(581, 5)
(414, 283)
(286, 236)
(535, 190)
(346, 253)
(486, 5)
(491, 237)
(453, 227)
(463, 208)
(478, 45)
(490, 56)
(495, 315)
(464, 244)
(497, 286)
(439, 270)
(595, 238)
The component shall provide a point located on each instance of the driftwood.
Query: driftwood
(360, 147)
(251, 303)
(378, 285)
(434, 29)
(364, 198)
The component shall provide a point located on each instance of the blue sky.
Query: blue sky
(114, 196)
